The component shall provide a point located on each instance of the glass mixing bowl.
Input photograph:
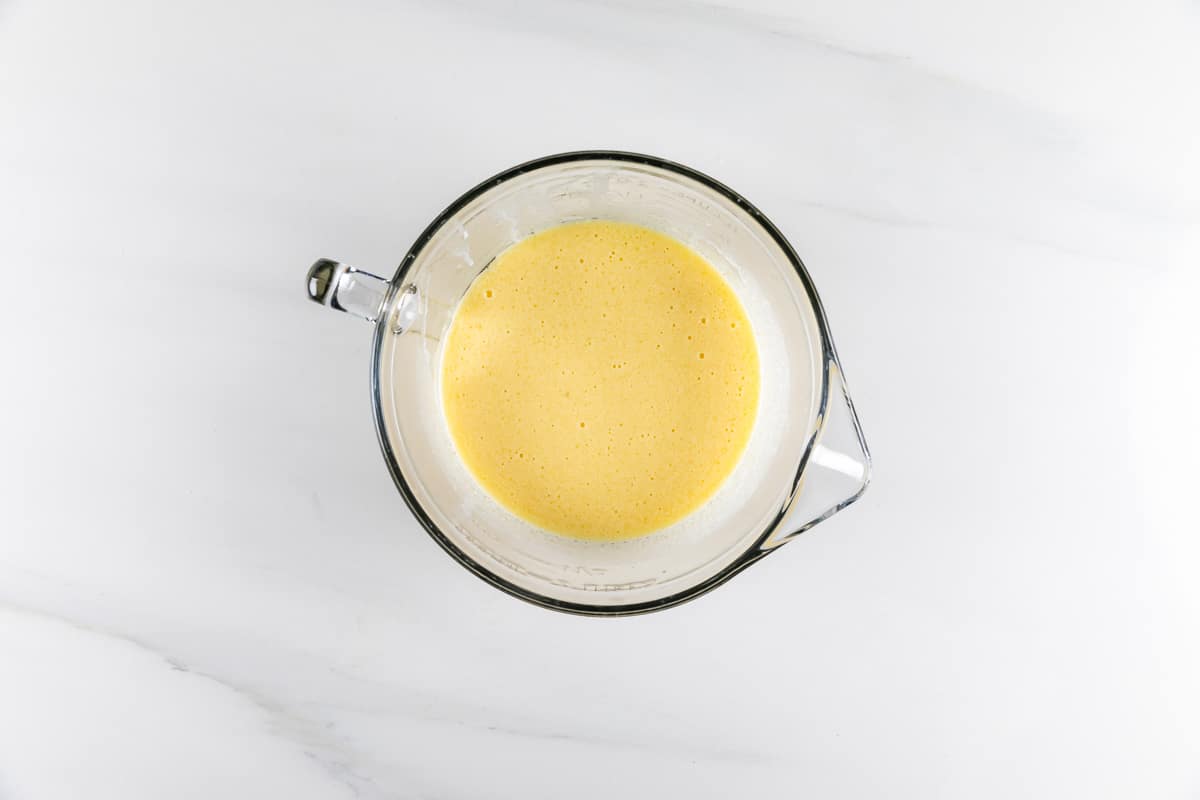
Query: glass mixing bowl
(806, 458)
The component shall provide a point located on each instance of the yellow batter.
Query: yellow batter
(600, 380)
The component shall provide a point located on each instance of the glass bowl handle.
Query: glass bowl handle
(838, 469)
(346, 288)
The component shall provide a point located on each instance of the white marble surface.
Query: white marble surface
(209, 587)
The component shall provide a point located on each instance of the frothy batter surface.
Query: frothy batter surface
(600, 380)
